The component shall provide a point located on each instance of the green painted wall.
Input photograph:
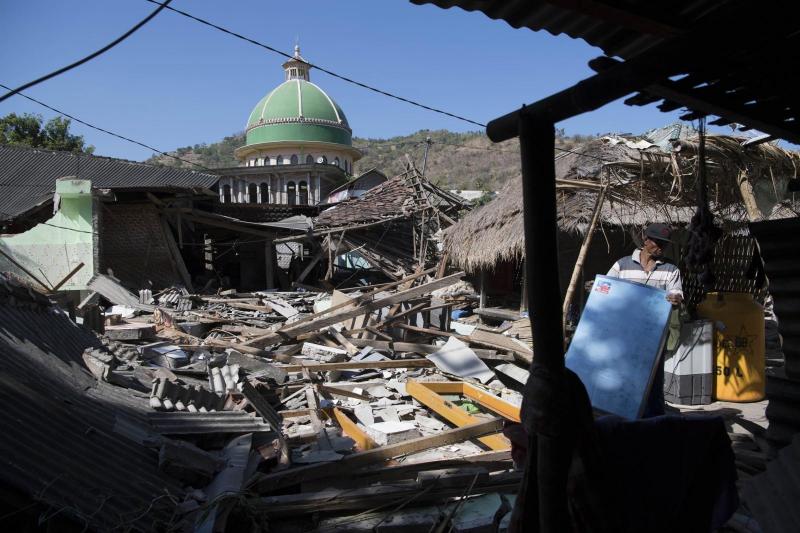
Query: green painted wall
(52, 249)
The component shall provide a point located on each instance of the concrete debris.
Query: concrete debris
(456, 358)
(263, 380)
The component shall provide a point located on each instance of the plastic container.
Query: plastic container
(689, 370)
(739, 365)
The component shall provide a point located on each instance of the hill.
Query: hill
(455, 160)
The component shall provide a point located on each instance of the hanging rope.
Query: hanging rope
(702, 232)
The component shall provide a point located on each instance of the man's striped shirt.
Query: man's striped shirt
(664, 275)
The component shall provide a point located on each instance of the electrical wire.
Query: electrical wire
(91, 56)
(321, 69)
(117, 135)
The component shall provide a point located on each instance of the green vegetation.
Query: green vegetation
(27, 130)
(458, 161)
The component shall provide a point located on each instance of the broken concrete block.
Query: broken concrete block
(384, 433)
(414, 520)
(364, 415)
(478, 515)
(389, 414)
(187, 462)
(322, 353)
(130, 332)
(511, 370)
(430, 424)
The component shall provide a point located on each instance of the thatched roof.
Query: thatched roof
(646, 183)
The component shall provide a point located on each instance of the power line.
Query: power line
(91, 56)
(490, 149)
(321, 69)
(117, 135)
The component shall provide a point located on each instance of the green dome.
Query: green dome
(298, 110)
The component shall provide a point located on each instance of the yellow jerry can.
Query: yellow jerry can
(739, 364)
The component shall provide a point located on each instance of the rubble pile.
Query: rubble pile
(369, 407)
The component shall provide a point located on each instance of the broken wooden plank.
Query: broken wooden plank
(344, 341)
(497, 313)
(68, 276)
(488, 400)
(351, 429)
(438, 490)
(425, 348)
(356, 365)
(521, 352)
(452, 413)
(116, 293)
(313, 406)
(295, 329)
(271, 482)
(130, 332)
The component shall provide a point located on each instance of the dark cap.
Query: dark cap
(658, 232)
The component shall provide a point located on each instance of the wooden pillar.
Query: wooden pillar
(523, 300)
(542, 498)
(748, 197)
(269, 263)
(482, 303)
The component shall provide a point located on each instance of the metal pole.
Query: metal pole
(552, 454)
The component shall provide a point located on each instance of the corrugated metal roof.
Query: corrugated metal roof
(184, 423)
(779, 243)
(748, 80)
(28, 175)
(603, 25)
(59, 446)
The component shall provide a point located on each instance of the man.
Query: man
(648, 266)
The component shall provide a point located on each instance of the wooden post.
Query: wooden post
(748, 197)
(269, 264)
(523, 301)
(482, 303)
(587, 242)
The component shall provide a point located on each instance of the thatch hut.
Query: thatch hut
(647, 179)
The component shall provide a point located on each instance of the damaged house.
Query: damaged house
(68, 209)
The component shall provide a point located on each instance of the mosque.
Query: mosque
(298, 146)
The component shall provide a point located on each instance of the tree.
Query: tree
(27, 130)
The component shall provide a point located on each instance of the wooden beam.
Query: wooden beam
(426, 348)
(452, 413)
(344, 341)
(175, 255)
(490, 401)
(356, 365)
(295, 329)
(364, 297)
(351, 429)
(272, 482)
(68, 276)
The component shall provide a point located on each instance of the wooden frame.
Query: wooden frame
(428, 394)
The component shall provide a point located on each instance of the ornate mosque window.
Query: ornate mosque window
(323, 160)
(264, 193)
(294, 159)
(303, 193)
(252, 193)
(309, 159)
(336, 161)
(226, 194)
(291, 196)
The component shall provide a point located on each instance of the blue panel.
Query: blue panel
(617, 342)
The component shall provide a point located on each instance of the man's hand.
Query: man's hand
(674, 298)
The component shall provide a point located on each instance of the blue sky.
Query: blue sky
(177, 83)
